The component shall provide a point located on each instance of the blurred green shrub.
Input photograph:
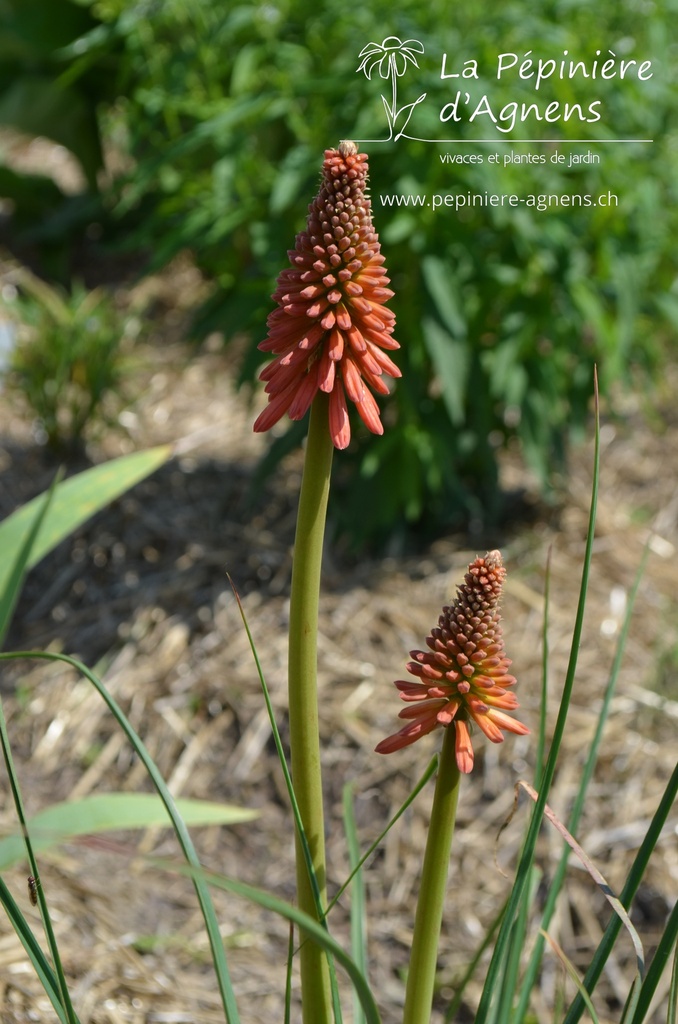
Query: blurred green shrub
(68, 354)
(57, 66)
(224, 112)
(47, 86)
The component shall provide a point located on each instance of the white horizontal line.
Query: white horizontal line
(473, 142)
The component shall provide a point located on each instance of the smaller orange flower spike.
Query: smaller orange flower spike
(465, 674)
(331, 326)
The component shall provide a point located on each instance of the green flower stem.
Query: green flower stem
(303, 699)
(423, 960)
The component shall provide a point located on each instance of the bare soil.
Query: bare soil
(141, 593)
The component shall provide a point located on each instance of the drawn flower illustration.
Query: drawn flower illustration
(464, 676)
(331, 326)
(391, 57)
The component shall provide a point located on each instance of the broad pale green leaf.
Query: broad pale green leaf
(75, 500)
(17, 559)
(450, 358)
(112, 811)
(443, 288)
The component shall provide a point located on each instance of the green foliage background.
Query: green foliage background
(225, 111)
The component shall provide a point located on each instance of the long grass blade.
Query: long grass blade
(17, 799)
(597, 877)
(181, 832)
(358, 909)
(288, 976)
(14, 571)
(540, 757)
(413, 794)
(318, 933)
(42, 968)
(516, 947)
(659, 963)
(322, 913)
(569, 967)
(527, 857)
(575, 816)
(626, 896)
(453, 1008)
(308, 859)
(673, 990)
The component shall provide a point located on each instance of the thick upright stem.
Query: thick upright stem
(303, 698)
(423, 960)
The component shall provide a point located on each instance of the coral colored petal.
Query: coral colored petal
(380, 338)
(508, 723)
(448, 712)
(424, 668)
(417, 696)
(367, 364)
(407, 686)
(387, 365)
(335, 345)
(331, 300)
(327, 369)
(507, 701)
(283, 382)
(304, 395)
(361, 305)
(374, 381)
(355, 389)
(463, 748)
(368, 410)
(393, 743)
(484, 722)
(344, 320)
(284, 368)
(356, 340)
(340, 427)
(313, 311)
(430, 708)
(410, 734)
(460, 677)
(277, 407)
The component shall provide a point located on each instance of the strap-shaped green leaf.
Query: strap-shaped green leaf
(74, 501)
(109, 811)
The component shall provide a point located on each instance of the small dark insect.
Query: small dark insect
(33, 889)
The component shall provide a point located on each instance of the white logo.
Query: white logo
(391, 57)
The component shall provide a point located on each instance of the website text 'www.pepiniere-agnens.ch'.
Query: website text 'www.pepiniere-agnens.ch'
(464, 200)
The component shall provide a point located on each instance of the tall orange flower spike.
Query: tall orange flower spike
(464, 676)
(331, 326)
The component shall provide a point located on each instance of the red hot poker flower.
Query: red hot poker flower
(465, 674)
(331, 326)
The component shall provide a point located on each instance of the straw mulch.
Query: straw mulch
(141, 593)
